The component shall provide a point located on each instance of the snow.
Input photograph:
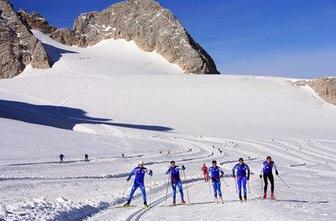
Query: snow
(113, 98)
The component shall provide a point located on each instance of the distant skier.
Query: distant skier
(204, 170)
(61, 158)
(242, 172)
(267, 173)
(174, 172)
(139, 173)
(215, 173)
(86, 157)
(122, 155)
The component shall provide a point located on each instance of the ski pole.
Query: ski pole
(209, 185)
(248, 186)
(150, 190)
(283, 182)
(185, 181)
(123, 194)
(261, 186)
(235, 181)
(167, 190)
(225, 183)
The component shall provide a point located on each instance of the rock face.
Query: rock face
(65, 36)
(150, 26)
(35, 21)
(325, 88)
(19, 47)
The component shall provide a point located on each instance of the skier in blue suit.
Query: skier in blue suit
(139, 173)
(176, 182)
(215, 173)
(242, 172)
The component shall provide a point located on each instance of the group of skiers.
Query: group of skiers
(240, 172)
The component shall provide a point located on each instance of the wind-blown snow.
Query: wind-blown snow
(114, 98)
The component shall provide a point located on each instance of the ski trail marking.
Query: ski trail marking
(82, 91)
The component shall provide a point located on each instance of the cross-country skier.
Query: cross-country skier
(86, 157)
(61, 158)
(139, 173)
(204, 170)
(242, 172)
(267, 173)
(215, 173)
(174, 172)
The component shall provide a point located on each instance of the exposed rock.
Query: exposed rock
(19, 47)
(65, 36)
(35, 21)
(325, 88)
(150, 26)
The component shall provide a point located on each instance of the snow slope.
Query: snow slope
(120, 99)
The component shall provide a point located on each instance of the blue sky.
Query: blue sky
(294, 38)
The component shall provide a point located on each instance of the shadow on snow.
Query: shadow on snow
(60, 117)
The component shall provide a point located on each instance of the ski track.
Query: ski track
(80, 92)
(202, 151)
(263, 146)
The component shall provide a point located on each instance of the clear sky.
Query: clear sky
(294, 38)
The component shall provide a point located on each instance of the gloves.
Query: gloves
(260, 176)
(277, 173)
(234, 176)
(150, 172)
(248, 178)
(183, 167)
(128, 179)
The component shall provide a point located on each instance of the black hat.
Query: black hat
(214, 161)
(241, 159)
(172, 161)
(269, 157)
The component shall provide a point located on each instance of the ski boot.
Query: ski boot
(222, 201)
(127, 204)
(240, 198)
(245, 197)
(216, 200)
(183, 202)
(145, 205)
(272, 196)
(265, 196)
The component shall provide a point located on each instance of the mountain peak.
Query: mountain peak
(19, 47)
(149, 25)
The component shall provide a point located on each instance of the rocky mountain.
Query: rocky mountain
(146, 22)
(19, 47)
(36, 21)
(325, 88)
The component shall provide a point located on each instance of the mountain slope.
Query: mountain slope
(116, 80)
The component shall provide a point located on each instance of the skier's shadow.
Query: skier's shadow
(60, 117)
